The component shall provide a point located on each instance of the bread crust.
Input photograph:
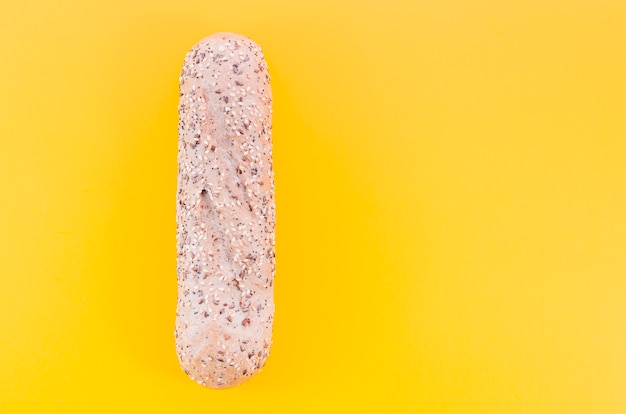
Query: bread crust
(225, 212)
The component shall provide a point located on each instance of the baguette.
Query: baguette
(225, 212)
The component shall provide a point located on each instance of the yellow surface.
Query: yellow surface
(451, 190)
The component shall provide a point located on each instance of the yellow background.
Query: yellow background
(450, 187)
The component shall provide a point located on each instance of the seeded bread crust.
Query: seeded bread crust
(225, 212)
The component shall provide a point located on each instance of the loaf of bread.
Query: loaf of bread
(225, 212)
